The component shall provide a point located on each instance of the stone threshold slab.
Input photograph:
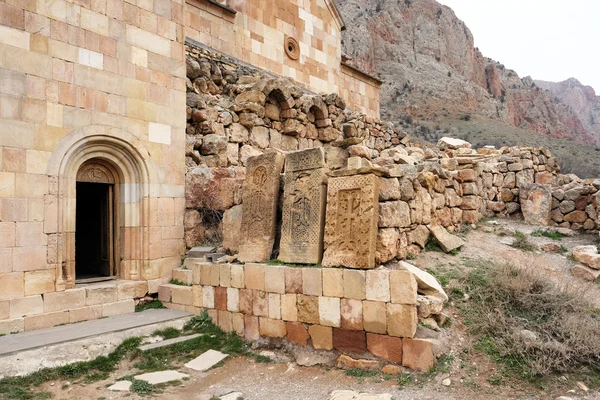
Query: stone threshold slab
(168, 342)
(66, 333)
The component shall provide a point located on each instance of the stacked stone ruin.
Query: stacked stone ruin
(339, 200)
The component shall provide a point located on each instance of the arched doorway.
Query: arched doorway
(96, 226)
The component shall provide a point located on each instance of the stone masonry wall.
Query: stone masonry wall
(235, 112)
(347, 310)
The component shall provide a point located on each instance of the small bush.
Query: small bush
(531, 325)
(522, 242)
(141, 387)
(549, 233)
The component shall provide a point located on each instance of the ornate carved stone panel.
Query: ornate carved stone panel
(303, 207)
(259, 205)
(351, 221)
(94, 172)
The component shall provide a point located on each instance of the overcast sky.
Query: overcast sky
(550, 40)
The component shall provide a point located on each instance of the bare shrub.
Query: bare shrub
(526, 321)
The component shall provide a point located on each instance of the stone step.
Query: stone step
(27, 352)
(168, 342)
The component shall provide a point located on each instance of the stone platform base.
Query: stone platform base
(82, 303)
(353, 311)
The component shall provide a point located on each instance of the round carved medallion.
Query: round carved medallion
(292, 48)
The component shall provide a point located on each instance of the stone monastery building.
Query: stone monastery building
(93, 136)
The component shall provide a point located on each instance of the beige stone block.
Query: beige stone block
(329, 311)
(7, 180)
(225, 275)
(208, 297)
(9, 326)
(6, 260)
(197, 296)
(254, 276)
(402, 320)
(293, 280)
(35, 210)
(333, 282)
(11, 285)
(100, 295)
(215, 275)
(274, 306)
(54, 114)
(374, 317)
(69, 299)
(30, 233)
(93, 21)
(237, 322)
(312, 283)
(237, 276)
(118, 308)
(4, 309)
(196, 273)
(321, 336)
(29, 258)
(25, 306)
(40, 281)
(308, 309)
(132, 290)
(260, 303)
(85, 313)
(251, 327)
(205, 274)
(418, 354)
(289, 309)
(164, 292)
(354, 284)
(148, 41)
(224, 321)
(183, 275)
(378, 285)
(182, 295)
(403, 287)
(8, 234)
(275, 279)
(14, 37)
(31, 185)
(16, 134)
(49, 320)
(233, 299)
(272, 328)
(37, 161)
(153, 284)
(351, 314)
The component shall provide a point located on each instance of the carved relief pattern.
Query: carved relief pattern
(95, 173)
(259, 202)
(351, 221)
(303, 217)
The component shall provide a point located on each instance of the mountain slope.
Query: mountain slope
(432, 72)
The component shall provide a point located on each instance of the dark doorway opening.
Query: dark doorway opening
(94, 232)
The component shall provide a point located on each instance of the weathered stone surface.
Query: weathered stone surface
(352, 314)
(536, 203)
(403, 287)
(375, 318)
(303, 207)
(587, 255)
(584, 272)
(453, 143)
(232, 227)
(206, 360)
(351, 221)
(161, 376)
(387, 244)
(260, 199)
(272, 327)
(417, 354)
(394, 214)
(349, 340)
(297, 333)
(308, 309)
(445, 239)
(389, 189)
(385, 347)
(402, 320)
(346, 362)
(426, 283)
(321, 336)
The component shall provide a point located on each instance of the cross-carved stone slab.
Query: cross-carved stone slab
(259, 205)
(351, 221)
(303, 207)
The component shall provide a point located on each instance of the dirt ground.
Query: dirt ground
(469, 372)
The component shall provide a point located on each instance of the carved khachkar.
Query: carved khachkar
(259, 206)
(351, 221)
(303, 207)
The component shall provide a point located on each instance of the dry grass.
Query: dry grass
(527, 322)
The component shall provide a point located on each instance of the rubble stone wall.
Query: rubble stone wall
(327, 308)
(242, 113)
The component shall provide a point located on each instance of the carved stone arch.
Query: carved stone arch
(125, 161)
(96, 171)
(319, 110)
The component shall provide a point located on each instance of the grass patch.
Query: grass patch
(361, 373)
(262, 359)
(522, 242)
(178, 282)
(442, 365)
(167, 333)
(432, 245)
(141, 387)
(524, 321)
(154, 304)
(549, 233)
(405, 379)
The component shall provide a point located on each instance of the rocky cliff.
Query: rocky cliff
(432, 72)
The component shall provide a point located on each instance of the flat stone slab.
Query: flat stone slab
(445, 239)
(206, 360)
(233, 396)
(121, 386)
(66, 333)
(161, 376)
(168, 342)
(199, 251)
(352, 395)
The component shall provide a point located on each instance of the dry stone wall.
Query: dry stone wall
(236, 112)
